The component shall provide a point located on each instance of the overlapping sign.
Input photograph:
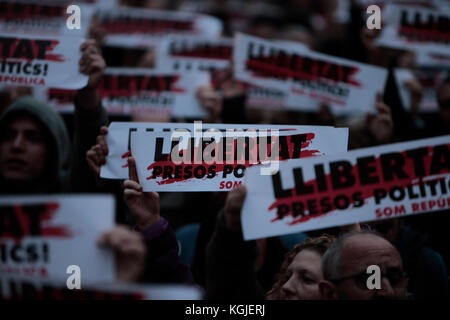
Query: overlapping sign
(43, 18)
(136, 90)
(28, 288)
(357, 186)
(312, 77)
(139, 27)
(416, 28)
(429, 80)
(176, 53)
(51, 61)
(120, 136)
(215, 160)
(40, 236)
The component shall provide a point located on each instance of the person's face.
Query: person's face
(304, 275)
(358, 253)
(23, 150)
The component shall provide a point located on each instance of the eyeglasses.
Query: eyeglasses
(396, 276)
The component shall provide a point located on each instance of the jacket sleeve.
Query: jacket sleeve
(87, 128)
(230, 265)
(163, 264)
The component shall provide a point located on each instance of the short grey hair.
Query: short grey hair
(332, 259)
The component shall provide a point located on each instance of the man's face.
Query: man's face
(304, 275)
(358, 253)
(23, 149)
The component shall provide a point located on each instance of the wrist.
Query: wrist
(144, 224)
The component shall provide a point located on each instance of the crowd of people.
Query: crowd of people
(44, 152)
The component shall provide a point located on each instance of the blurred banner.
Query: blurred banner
(418, 29)
(428, 80)
(369, 184)
(144, 91)
(311, 77)
(190, 53)
(50, 61)
(137, 26)
(27, 288)
(40, 236)
(43, 18)
(139, 91)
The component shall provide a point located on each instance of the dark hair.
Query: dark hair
(318, 244)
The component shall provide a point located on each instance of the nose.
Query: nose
(288, 288)
(386, 291)
(18, 142)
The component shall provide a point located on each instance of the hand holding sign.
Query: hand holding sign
(381, 125)
(143, 205)
(233, 207)
(130, 252)
(96, 156)
(92, 63)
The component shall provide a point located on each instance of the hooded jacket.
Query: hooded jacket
(58, 181)
(71, 172)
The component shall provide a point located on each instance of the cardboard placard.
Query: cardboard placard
(119, 136)
(217, 161)
(362, 185)
(313, 78)
(51, 61)
(40, 236)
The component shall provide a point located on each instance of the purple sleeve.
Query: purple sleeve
(163, 265)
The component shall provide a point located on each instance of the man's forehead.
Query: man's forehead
(364, 250)
(24, 121)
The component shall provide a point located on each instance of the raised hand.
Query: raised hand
(130, 252)
(96, 155)
(233, 207)
(381, 126)
(144, 206)
(92, 63)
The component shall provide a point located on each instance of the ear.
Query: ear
(327, 290)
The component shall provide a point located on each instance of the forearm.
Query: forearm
(88, 121)
(230, 265)
(163, 265)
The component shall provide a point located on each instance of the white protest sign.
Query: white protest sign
(28, 288)
(177, 53)
(119, 134)
(140, 26)
(237, 13)
(429, 81)
(144, 91)
(433, 60)
(216, 161)
(266, 98)
(43, 18)
(51, 61)
(415, 28)
(40, 236)
(59, 99)
(311, 77)
(361, 185)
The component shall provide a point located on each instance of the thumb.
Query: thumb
(379, 97)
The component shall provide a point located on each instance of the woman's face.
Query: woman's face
(304, 274)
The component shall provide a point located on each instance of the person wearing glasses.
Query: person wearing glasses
(345, 263)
